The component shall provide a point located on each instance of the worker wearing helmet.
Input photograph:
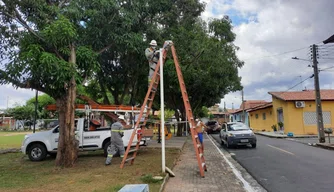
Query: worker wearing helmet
(153, 58)
(116, 140)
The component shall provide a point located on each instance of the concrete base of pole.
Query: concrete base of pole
(170, 172)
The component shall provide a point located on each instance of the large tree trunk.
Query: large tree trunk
(67, 152)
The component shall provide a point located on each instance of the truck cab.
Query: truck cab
(38, 145)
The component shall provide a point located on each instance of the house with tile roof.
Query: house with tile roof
(295, 109)
(220, 114)
(237, 115)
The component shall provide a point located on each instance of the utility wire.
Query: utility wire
(325, 69)
(283, 53)
(299, 83)
(275, 55)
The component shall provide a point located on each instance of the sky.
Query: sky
(269, 33)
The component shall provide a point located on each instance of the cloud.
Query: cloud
(265, 30)
(13, 97)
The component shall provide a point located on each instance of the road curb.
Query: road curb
(325, 146)
(174, 164)
(284, 136)
(12, 150)
(248, 177)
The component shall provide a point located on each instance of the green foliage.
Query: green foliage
(149, 179)
(109, 49)
(61, 32)
(280, 124)
(43, 101)
(168, 113)
(22, 112)
(204, 112)
(274, 127)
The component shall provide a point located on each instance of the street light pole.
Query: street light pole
(36, 103)
(243, 106)
(320, 123)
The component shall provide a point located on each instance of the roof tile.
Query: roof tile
(306, 95)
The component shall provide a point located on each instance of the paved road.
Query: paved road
(283, 165)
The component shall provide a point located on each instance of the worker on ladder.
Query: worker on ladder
(200, 129)
(153, 57)
(116, 144)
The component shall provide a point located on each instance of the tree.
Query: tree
(45, 44)
(43, 101)
(25, 113)
(205, 51)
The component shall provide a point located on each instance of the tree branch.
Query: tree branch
(105, 48)
(58, 54)
(62, 3)
(20, 20)
(5, 79)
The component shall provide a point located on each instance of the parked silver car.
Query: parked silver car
(235, 134)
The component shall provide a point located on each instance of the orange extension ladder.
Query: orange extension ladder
(146, 107)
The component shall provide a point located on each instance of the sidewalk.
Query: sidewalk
(278, 135)
(219, 176)
(174, 142)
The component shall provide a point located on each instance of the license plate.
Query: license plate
(244, 140)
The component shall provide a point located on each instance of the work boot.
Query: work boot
(108, 160)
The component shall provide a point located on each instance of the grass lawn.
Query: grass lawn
(17, 173)
(12, 141)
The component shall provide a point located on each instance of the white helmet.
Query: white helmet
(153, 43)
(121, 117)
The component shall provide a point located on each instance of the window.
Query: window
(310, 118)
(264, 116)
(256, 116)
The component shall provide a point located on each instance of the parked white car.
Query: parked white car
(236, 133)
(38, 145)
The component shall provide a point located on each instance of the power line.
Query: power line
(279, 54)
(275, 55)
(299, 83)
(326, 68)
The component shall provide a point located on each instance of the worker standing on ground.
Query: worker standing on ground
(116, 140)
(153, 57)
(200, 129)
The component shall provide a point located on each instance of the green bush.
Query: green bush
(274, 127)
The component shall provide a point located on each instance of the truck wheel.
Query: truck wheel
(107, 148)
(37, 152)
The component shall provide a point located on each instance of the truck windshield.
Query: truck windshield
(237, 127)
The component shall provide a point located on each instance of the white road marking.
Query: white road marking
(236, 172)
(281, 150)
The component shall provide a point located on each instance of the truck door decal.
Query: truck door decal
(92, 137)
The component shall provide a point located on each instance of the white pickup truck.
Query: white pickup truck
(39, 145)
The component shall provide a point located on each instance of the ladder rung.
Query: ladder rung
(198, 145)
(132, 150)
(129, 159)
(203, 164)
(201, 155)
(196, 136)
